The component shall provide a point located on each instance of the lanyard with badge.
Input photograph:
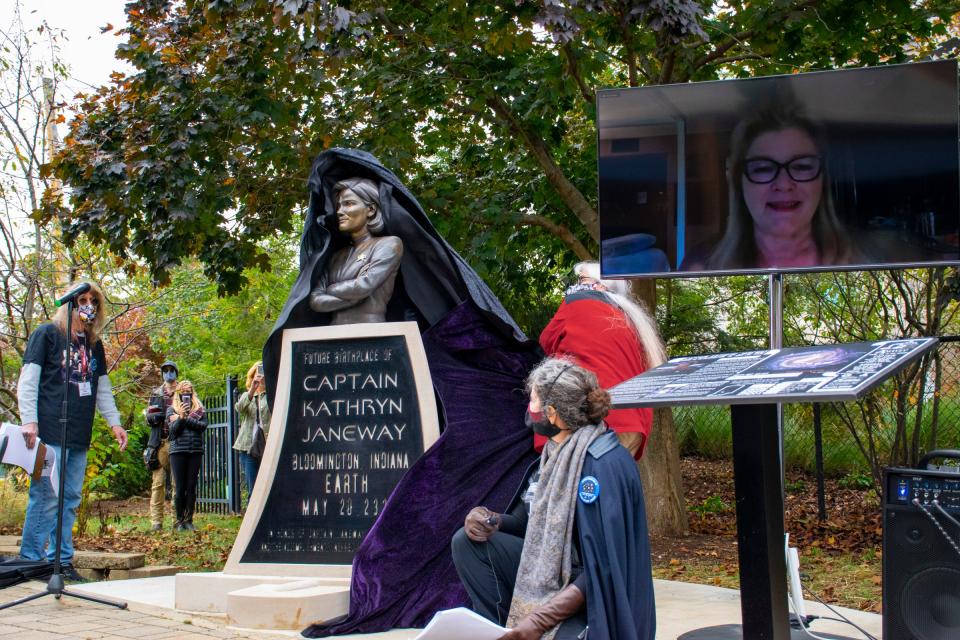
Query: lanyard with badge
(84, 387)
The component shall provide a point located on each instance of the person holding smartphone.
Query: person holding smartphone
(187, 420)
(254, 415)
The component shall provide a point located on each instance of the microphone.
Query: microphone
(78, 290)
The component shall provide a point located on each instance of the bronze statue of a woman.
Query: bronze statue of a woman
(477, 355)
(359, 279)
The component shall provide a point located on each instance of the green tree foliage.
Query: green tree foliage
(215, 336)
(28, 268)
(486, 108)
(709, 315)
(210, 336)
(897, 423)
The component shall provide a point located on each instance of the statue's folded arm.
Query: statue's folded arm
(384, 262)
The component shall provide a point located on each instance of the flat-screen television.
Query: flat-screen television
(834, 170)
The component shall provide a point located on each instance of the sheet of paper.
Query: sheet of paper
(462, 624)
(51, 470)
(17, 454)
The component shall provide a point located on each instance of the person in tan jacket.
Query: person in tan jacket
(156, 455)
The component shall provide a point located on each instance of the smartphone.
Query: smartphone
(260, 369)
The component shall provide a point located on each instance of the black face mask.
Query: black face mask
(540, 426)
(539, 423)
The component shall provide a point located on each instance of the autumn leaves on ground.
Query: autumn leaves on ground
(840, 557)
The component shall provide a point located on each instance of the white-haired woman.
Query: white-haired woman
(572, 550)
(40, 393)
(602, 327)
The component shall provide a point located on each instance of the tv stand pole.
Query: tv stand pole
(775, 297)
(758, 482)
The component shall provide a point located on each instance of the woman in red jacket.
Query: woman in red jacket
(602, 327)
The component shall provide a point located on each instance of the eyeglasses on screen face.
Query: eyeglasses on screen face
(766, 170)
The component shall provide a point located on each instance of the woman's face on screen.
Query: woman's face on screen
(782, 182)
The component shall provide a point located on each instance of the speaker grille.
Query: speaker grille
(930, 603)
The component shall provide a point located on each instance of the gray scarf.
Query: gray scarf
(547, 556)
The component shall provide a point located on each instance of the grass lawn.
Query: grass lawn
(848, 579)
(205, 549)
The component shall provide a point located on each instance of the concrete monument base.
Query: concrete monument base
(355, 408)
(264, 602)
(294, 605)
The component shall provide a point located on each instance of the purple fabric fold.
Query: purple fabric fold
(403, 572)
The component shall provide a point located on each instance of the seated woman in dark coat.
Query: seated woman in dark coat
(572, 549)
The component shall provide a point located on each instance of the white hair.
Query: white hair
(639, 318)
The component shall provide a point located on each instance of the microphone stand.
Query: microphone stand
(55, 586)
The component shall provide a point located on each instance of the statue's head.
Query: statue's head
(357, 202)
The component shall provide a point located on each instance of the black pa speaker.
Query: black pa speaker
(921, 568)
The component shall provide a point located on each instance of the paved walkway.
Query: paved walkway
(681, 607)
(69, 618)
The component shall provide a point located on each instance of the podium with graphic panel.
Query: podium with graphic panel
(753, 383)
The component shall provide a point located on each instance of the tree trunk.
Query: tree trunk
(660, 472)
(660, 465)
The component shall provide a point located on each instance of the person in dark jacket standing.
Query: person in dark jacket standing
(39, 395)
(157, 455)
(187, 420)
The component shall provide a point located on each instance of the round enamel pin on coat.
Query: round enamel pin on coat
(589, 489)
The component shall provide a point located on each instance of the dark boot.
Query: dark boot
(188, 515)
(179, 525)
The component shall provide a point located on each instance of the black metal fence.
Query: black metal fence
(219, 487)
(888, 425)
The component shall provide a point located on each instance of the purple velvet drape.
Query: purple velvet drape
(403, 572)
